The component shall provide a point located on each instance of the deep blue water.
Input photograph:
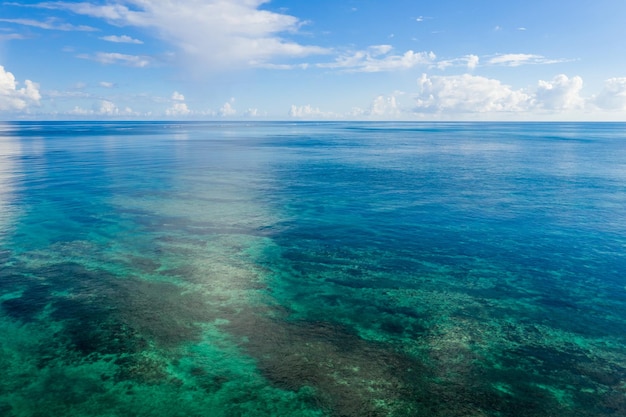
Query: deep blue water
(313, 269)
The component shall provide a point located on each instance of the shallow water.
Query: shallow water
(333, 269)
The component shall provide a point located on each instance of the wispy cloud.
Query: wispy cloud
(117, 58)
(121, 39)
(378, 58)
(12, 36)
(50, 24)
(507, 60)
(468, 61)
(265, 65)
(515, 60)
(107, 11)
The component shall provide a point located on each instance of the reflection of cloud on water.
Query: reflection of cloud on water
(10, 149)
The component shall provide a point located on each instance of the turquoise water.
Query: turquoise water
(333, 269)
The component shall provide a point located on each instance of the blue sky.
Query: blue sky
(317, 60)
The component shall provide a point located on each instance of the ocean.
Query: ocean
(312, 269)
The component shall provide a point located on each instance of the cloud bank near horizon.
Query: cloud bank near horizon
(435, 96)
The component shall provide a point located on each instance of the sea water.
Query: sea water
(312, 269)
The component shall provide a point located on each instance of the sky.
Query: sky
(313, 60)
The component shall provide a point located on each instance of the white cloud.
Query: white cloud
(108, 108)
(176, 96)
(515, 60)
(106, 84)
(121, 39)
(76, 93)
(227, 109)
(613, 95)
(79, 111)
(376, 59)
(179, 107)
(308, 112)
(469, 61)
(562, 93)
(301, 66)
(12, 37)
(252, 113)
(50, 24)
(472, 61)
(103, 108)
(376, 50)
(384, 107)
(219, 34)
(468, 94)
(117, 58)
(13, 98)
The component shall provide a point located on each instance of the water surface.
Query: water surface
(333, 269)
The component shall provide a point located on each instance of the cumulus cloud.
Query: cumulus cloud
(227, 109)
(252, 112)
(103, 108)
(377, 58)
(108, 108)
(79, 111)
(176, 96)
(561, 93)
(472, 61)
(179, 107)
(219, 34)
(13, 98)
(613, 95)
(121, 39)
(468, 94)
(308, 112)
(383, 107)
